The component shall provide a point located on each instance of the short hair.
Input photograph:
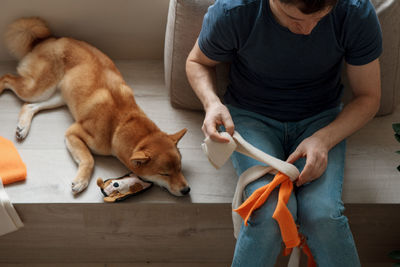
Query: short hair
(310, 6)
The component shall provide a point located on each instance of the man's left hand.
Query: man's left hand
(315, 150)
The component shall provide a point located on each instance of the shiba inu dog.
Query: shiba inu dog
(53, 72)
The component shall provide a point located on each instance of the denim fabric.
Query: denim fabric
(316, 206)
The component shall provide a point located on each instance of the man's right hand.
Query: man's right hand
(217, 114)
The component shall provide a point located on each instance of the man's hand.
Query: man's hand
(217, 114)
(315, 150)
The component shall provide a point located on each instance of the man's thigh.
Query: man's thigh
(329, 185)
(325, 191)
(261, 132)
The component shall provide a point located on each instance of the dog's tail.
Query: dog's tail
(23, 34)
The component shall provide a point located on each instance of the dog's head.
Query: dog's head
(158, 160)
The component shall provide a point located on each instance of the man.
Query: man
(284, 98)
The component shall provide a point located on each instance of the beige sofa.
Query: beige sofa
(371, 177)
(369, 150)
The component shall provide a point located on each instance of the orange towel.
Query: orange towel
(282, 215)
(12, 169)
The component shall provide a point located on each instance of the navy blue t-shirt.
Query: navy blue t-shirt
(287, 76)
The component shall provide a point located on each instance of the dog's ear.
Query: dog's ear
(177, 136)
(100, 182)
(139, 157)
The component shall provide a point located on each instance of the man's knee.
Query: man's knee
(260, 182)
(321, 217)
(263, 215)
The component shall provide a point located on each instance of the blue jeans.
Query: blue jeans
(316, 206)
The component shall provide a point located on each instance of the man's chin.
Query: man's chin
(299, 32)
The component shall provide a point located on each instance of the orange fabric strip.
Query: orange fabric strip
(12, 169)
(306, 250)
(258, 197)
(282, 215)
(310, 259)
(287, 251)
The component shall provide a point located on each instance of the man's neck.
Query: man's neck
(275, 13)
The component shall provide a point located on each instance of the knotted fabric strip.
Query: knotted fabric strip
(218, 153)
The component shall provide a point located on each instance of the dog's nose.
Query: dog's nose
(185, 190)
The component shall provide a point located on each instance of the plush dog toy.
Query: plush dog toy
(118, 189)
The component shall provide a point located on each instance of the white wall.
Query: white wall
(123, 29)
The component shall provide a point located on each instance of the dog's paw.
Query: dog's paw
(78, 187)
(21, 132)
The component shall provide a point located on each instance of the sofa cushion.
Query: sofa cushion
(183, 27)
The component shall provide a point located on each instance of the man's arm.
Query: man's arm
(201, 73)
(366, 85)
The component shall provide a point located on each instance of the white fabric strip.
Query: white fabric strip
(218, 153)
(9, 219)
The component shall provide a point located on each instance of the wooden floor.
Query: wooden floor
(140, 232)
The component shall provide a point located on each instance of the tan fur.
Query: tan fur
(22, 33)
(65, 71)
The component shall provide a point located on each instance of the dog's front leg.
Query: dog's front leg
(76, 145)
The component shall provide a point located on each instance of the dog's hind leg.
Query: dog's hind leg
(74, 139)
(37, 88)
(30, 109)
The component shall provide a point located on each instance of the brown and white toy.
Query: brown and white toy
(118, 189)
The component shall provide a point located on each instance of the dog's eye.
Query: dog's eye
(164, 174)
